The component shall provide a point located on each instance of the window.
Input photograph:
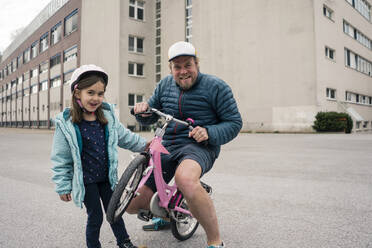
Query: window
(70, 53)
(71, 22)
(329, 53)
(358, 98)
(158, 42)
(34, 49)
(55, 60)
(357, 62)
(43, 85)
(135, 44)
(14, 65)
(188, 31)
(43, 67)
(13, 84)
(44, 42)
(26, 76)
(33, 88)
(56, 34)
(136, 9)
(357, 35)
(55, 82)
(357, 124)
(363, 7)
(26, 56)
(10, 68)
(67, 76)
(327, 12)
(331, 93)
(34, 72)
(19, 93)
(133, 99)
(135, 69)
(20, 59)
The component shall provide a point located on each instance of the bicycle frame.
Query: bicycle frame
(165, 192)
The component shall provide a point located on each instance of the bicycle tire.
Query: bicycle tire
(183, 222)
(125, 189)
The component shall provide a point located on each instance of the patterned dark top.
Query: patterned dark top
(94, 155)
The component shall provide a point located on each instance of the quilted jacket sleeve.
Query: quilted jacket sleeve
(129, 140)
(62, 163)
(230, 121)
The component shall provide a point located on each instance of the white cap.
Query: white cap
(84, 70)
(181, 48)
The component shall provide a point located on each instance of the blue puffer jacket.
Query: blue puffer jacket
(210, 103)
(67, 148)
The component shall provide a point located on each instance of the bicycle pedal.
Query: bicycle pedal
(144, 215)
(206, 187)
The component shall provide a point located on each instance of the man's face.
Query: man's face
(184, 70)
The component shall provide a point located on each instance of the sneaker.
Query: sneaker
(218, 246)
(127, 244)
(157, 224)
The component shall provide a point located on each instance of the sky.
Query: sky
(17, 14)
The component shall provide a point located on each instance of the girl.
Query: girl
(84, 153)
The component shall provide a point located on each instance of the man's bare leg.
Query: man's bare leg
(201, 206)
(141, 201)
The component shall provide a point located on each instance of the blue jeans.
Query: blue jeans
(94, 193)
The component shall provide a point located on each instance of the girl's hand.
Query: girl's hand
(65, 197)
(147, 147)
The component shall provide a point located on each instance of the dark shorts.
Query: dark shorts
(203, 155)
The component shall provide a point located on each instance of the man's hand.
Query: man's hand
(199, 134)
(141, 107)
(65, 197)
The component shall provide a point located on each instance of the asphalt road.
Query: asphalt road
(270, 190)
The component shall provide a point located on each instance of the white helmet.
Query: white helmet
(84, 70)
(181, 48)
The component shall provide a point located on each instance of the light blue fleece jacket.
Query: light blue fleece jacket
(67, 147)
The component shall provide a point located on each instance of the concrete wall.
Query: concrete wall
(143, 85)
(100, 24)
(263, 49)
(172, 29)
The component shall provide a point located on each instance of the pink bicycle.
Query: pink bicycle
(168, 201)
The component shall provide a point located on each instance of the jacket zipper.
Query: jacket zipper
(180, 112)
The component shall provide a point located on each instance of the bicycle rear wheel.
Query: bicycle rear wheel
(125, 189)
(183, 226)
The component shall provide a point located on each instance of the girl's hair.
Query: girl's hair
(76, 111)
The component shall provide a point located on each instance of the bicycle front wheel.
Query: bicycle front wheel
(183, 226)
(125, 189)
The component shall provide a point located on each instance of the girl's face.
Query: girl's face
(92, 97)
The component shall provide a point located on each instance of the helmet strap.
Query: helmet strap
(82, 107)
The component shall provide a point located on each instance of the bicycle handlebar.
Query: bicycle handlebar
(167, 117)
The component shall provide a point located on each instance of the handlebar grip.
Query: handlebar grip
(132, 111)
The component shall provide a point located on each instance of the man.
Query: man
(188, 93)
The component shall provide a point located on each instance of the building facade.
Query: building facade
(284, 62)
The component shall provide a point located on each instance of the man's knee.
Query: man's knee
(187, 176)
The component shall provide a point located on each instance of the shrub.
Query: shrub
(333, 122)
